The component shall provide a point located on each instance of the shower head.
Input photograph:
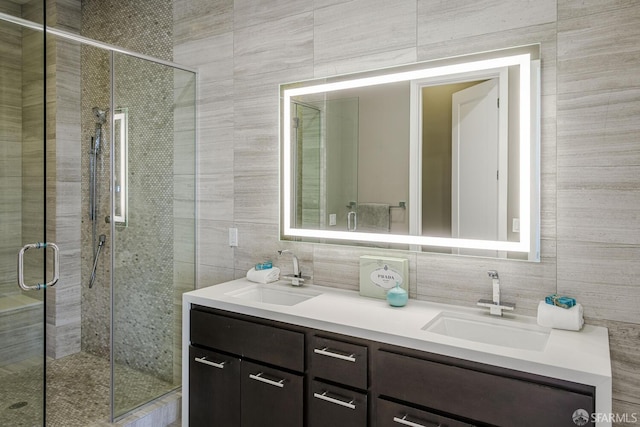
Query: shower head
(100, 115)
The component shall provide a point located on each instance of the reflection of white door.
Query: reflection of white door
(475, 197)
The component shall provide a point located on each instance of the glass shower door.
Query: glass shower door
(22, 222)
(154, 221)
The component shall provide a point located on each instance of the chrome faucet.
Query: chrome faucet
(297, 279)
(494, 305)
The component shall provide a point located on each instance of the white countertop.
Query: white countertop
(581, 357)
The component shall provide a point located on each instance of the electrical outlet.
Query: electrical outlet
(233, 237)
(332, 219)
(516, 225)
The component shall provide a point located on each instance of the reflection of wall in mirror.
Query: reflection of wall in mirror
(383, 152)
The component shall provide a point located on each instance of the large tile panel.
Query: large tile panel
(599, 128)
(600, 51)
(456, 19)
(600, 204)
(254, 12)
(361, 28)
(277, 45)
(601, 276)
(200, 19)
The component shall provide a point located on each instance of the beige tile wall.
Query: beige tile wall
(63, 183)
(590, 141)
(10, 151)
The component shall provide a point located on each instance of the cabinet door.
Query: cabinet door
(214, 389)
(271, 397)
(333, 406)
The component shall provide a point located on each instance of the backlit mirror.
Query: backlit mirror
(437, 156)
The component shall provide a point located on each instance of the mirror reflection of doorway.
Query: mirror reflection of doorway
(475, 194)
(462, 149)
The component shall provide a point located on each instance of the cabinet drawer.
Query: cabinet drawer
(271, 397)
(476, 395)
(214, 389)
(268, 344)
(391, 414)
(338, 361)
(336, 406)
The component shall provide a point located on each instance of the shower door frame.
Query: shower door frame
(112, 49)
(40, 276)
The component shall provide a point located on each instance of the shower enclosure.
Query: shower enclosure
(98, 157)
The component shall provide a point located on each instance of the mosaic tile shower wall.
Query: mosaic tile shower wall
(143, 269)
(95, 301)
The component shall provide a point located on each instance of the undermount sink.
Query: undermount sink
(273, 294)
(496, 331)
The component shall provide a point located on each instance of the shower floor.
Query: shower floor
(77, 391)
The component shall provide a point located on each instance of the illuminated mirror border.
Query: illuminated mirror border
(529, 71)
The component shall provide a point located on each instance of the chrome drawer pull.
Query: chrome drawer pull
(259, 377)
(324, 396)
(325, 352)
(405, 422)
(207, 362)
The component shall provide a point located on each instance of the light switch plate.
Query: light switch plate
(233, 237)
(516, 225)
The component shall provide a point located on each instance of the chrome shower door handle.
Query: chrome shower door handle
(56, 266)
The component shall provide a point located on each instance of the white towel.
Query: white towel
(551, 316)
(374, 217)
(263, 276)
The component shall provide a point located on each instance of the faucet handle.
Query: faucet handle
(496, 309)
(296, 280)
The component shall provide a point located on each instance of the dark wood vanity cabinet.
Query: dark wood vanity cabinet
(250, 372)
(244, 373)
